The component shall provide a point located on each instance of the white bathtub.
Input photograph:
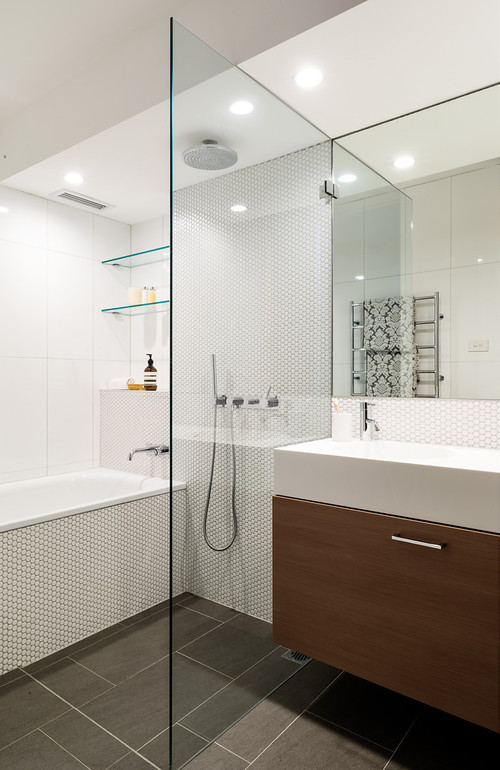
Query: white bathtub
(64, 577)
(23, 503)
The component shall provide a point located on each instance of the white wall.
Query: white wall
(150, 333)
(56, 348)
(456, 251)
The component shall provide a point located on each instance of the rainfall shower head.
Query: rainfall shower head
(209, 156)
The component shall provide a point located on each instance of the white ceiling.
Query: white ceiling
(381, 59)
(47, 42)
(385, 58)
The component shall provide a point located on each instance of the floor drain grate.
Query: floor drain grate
(296, 657)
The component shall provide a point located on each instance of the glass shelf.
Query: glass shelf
(145, 307)
(138, 259)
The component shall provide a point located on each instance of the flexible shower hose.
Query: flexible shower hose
(233, 487)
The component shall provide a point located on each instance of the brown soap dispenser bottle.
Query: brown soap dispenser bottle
(150, 375)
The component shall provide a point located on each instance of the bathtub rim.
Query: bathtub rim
(163, 488)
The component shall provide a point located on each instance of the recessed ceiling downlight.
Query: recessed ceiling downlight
(308, 77)
(238, 207)
(73, 177)
(4, 210)
(241, 108)
(348, 178)
(404, 161)
(209, 156)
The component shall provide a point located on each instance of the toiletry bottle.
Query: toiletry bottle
(145, 294)
(152, 294)
(150, 375)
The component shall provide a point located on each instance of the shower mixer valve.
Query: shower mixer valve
(250, 402)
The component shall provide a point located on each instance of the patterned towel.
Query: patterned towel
(391, 355)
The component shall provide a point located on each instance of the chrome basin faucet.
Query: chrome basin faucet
(366, 421)
(160, 449)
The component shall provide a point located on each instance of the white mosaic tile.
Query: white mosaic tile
(435, 421)
(65, 579)
(255, 289)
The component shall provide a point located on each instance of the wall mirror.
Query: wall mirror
(431, 232)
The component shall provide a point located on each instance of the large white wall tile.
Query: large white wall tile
(148, 235)
(23, 307)
(23, 395)
(26, 220)
(70, 230)
(475, 311)
(475, 232)
(111, 332)
(431, 225)
(70, 412)
(475, 379)
(380, 288)
(348, 240)
(384, 236)
(111, 239)
(70, 306)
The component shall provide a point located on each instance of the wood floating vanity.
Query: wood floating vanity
(412, 605)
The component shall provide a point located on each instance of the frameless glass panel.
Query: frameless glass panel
(375, 347)
(251, 370)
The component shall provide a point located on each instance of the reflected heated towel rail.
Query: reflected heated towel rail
(358, 351)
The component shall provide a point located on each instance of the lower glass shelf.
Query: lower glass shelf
(146, 307)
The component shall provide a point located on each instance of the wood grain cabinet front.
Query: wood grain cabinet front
(406, 604)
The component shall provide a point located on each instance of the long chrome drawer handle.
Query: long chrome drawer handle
(400, 539)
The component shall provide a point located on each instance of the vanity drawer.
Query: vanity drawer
(420, 620)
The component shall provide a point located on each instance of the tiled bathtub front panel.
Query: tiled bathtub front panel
(65, 579)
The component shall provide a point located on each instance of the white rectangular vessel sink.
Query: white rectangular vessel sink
(443, 484)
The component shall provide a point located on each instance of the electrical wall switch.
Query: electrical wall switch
(479, 346)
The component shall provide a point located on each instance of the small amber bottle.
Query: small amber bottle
(150, 375)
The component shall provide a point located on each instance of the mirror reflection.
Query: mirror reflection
(446, 162)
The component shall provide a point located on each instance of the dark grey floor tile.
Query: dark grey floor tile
(138, 646)
(216, 757)
(185, 745)
(377, 714)
(84, 740)
(193, 684)
(131, 762)
(130, 650)
(234, 646)
(66, 651)
(135, 710)
(37, 752)
(313, 743)
(250, 736)
(24, 706)
(205, 606)
(253, 626)
(72, 682)
(222, 710)
(138, 709)
(439, 741)
(161, 606)
(10, 676)
(188, 625)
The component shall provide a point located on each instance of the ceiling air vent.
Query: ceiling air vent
(81, 200)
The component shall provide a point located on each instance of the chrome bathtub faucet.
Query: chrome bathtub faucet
(160, 449)
(366, 421)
